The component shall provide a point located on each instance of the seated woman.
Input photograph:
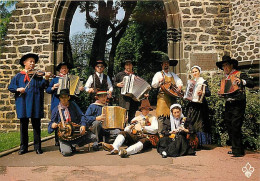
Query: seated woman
(175, 142)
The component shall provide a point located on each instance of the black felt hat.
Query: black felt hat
(64, 92)
(227, 59)
(99, 62)
(69, 66)
(29, 55)
(127, 60)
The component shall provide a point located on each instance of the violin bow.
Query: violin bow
(29, 82)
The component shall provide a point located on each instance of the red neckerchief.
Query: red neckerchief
(66, 112)
(128, 72)
(231, 73)
(26, 77)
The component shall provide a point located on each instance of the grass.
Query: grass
(12, 139)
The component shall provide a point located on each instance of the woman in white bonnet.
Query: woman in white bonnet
(199, 112)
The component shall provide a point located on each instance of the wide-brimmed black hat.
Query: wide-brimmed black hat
(69, 66)
(227, 59)
(99, 62)
(64, 92)
(127, 60)
(29, 55)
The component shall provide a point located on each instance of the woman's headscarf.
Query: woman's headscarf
(175, 123)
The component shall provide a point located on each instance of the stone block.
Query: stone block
(19, 26)
(4, 67)
(42, 26)
(26, 32)
(9, 49)
(37, 49)
(9, 126)
(14, 19)
(212, 10)
(241, 39)
(205, 23)
(190, 37)
(218, 22)
(208, 48)
(190, 23)
(36, 11)
(224, 10)
(5, 108)
(10, 115)
(193, 3)
(42, 41)
(197, 11)
(47, 47)
(27, 19)
(21, 5)
(10, 26)
(14, 67)
(34, 5)
(196, 30)
(25, 49)
(212, 31)
(18, 43)
(27, 11)
(186, 11)
(187, 48)
(44, 17)
(30, 42)
(30, 25)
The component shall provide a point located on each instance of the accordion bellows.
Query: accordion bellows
(71, 82)
(115, 117)
(134, 87)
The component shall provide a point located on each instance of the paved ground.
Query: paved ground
(212, 164)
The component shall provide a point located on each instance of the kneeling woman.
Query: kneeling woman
(175, 142)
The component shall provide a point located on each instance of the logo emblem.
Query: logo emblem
(248, 170)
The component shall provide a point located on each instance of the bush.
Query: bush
(250, 128)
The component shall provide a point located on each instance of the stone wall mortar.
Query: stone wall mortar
(29, 30)
(206, 28)
(245, 23)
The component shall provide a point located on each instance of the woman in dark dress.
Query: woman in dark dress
(199, 112)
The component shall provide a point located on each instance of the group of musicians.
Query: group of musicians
(144, 130)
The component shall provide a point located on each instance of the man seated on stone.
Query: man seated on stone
(140, 135)
(67, 112)
(95, 117)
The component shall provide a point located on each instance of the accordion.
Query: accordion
(69, 131)
(192, 90)
(71, 82)
(134, 87)
(115, 117)
(229, 86)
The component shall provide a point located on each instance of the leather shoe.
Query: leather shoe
(108, 147)
(38, 151)
(21, 152)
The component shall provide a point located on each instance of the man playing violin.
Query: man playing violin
(235, 103)
(29, 98)
(164, 101)
(140, 135)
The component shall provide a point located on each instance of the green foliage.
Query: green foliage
(5, 14)
(250, 128)
(12, 139)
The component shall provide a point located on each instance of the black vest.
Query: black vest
(98, 85)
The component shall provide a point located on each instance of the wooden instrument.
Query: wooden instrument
(69, 131)
(229, 86)
(134, 87)
(71, 82)
(192, 90)
(171, 89)
(115, 117)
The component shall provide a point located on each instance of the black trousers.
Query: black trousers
(36, 124)
(233, 117)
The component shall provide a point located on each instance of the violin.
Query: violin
(38, 73)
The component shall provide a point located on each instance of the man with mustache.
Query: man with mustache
(164, 101)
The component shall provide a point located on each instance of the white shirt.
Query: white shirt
(152, 129)
(158, 76)
(100, 76)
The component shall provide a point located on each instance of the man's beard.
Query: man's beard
(166, 68)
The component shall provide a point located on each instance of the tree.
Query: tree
(147, 32)
(106, 26)
(5, 14)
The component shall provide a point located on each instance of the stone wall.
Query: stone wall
(28, 31)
